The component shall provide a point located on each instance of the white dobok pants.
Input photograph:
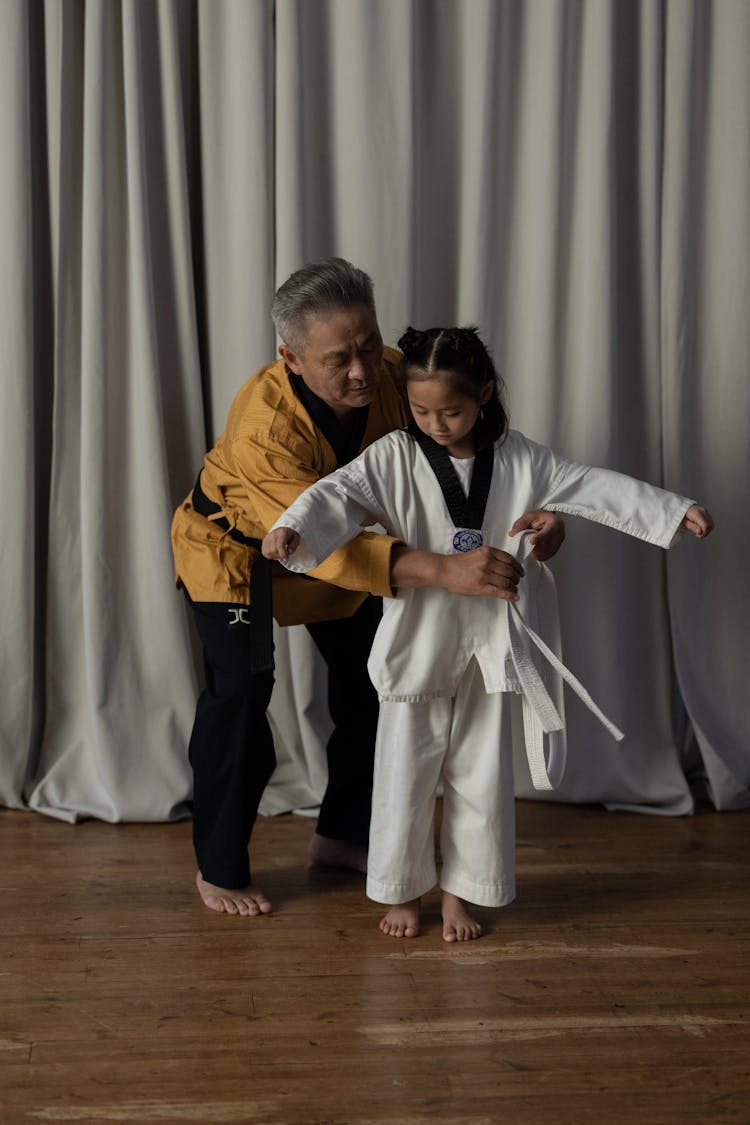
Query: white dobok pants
(468, 741)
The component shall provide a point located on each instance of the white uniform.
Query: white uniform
(444, 654)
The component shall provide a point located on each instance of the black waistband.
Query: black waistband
(209, 509)
(261, 593)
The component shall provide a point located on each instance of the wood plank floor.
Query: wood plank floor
(616, 989)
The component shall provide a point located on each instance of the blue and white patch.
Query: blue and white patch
(467, 539)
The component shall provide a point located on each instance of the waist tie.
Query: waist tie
(540, 715)
(259, 580)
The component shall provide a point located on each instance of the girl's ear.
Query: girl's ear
(487, 392)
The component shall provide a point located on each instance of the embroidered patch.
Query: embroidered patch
(466, 539)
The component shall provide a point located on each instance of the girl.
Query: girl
(459, 677)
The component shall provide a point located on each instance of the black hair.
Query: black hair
(462, 354)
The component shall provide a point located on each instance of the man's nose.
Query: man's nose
(358, 371)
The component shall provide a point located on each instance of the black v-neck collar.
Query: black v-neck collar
(465, 511)
(345, 441)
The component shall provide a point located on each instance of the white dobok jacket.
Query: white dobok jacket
(427, 637)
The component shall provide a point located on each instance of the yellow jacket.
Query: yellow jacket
(269, 453)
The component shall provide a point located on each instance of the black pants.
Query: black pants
(231, 747)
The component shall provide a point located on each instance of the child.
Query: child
(450, 671)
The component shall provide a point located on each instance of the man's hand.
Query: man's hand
(699, 521)
(549, 532)
(280, 544)
(487, 571)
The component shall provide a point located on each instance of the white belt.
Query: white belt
(540, 715)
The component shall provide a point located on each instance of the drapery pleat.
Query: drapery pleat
(572, 177)
(705, 239)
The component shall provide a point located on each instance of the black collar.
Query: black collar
(465, 511)
(345, 441)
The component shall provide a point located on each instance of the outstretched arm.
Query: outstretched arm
(699, 521)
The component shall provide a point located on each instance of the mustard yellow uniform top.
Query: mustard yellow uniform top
(269, 453)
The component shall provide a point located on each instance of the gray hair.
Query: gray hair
(318, 288)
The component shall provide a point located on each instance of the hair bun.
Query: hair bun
(411, 340)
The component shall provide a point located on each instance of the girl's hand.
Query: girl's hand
(549, 532)
(698, 520)
(280, 544)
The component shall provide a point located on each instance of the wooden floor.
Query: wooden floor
(616, 989)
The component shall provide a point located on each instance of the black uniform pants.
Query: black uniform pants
(231, 747)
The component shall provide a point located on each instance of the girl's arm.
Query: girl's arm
(614, 499)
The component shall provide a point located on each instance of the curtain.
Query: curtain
(570, 175)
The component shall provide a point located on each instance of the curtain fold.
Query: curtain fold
(571, 177)
(21, 438)
(704, 365)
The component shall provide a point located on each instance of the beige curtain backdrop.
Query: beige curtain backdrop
(571, 175)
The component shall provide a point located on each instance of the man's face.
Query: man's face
(341, 358)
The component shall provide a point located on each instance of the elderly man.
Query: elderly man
(333, 391)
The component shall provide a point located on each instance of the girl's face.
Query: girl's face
(445, 414)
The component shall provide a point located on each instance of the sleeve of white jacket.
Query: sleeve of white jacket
(328, 514)
(614, 499)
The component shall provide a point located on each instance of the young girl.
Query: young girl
(457, 677)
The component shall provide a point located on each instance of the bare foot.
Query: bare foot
(457, 924)
(324, 852)
(247, 900)
(402, 920)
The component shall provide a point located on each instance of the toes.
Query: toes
(398, 929)
(214, 903)
(461, 931)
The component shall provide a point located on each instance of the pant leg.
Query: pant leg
(231, 746)
(477, 839)
(411, 746)
(352, 700)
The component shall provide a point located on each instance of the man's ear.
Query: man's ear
(291, 359)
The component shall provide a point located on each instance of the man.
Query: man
(333, 392)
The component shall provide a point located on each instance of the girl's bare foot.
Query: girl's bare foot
(324, 852)
(247, 900)
(457, 924)
(402, 920)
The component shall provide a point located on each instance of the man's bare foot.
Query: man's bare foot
(324, 852)
(402, 920)
(457, 924)
(247, 900)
